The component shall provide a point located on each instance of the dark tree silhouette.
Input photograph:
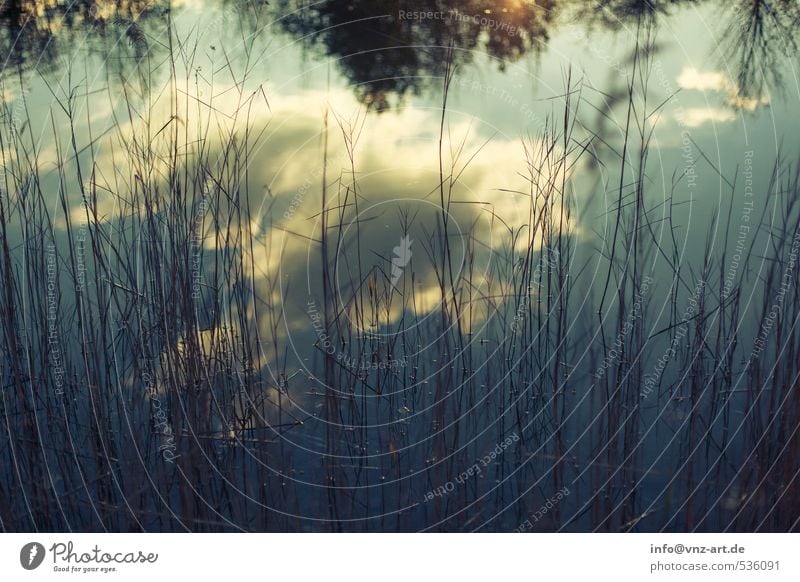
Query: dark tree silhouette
(384, 50)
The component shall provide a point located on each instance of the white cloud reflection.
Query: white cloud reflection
(692, 79)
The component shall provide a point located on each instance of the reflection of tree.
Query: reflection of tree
(759, 36)
(383, 54)
(24, 34)
(614, 14)
(35, 33)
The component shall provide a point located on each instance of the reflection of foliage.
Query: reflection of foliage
(758, 37)
(36, 32)
(614, 14)
(25, 33)
(383, 54)
(250, 14)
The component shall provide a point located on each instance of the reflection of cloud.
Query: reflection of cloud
(694, 80)
(396, 190)
(397, 157)
(691, 78)
(397, 177)
(697, 116)
(738, 101)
